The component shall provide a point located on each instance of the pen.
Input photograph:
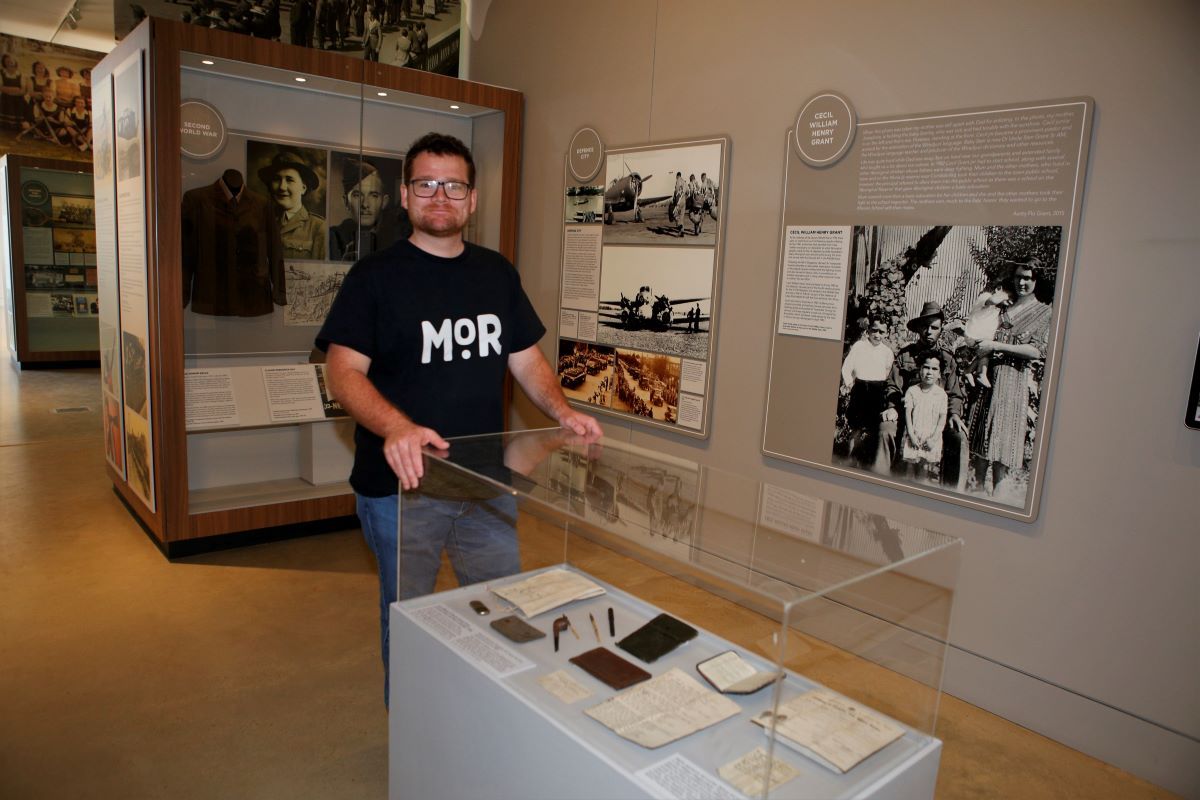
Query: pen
(572, 627)
(595, 627)
(612, 623)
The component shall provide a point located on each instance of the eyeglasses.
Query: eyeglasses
(455, 190)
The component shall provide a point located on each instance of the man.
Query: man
(372, 36)
(865, 372)
(905, 373)
(677, 197)
(419, 340)
(301, 20)
(288, 178)
(709, 188)
(367, 229)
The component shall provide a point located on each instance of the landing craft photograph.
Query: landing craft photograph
(657, 298)
(584, 204)
(663, 195)
(585, 371)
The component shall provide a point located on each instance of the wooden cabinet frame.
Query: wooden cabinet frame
(161, 44)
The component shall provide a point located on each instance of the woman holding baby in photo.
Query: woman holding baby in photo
(999, 418)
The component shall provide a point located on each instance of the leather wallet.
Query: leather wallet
(609, 668)
(657, 637)
(516, 629)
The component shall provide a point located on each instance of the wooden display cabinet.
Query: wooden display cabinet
(198, 483)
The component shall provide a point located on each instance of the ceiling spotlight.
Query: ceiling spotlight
(382, 94)
(455, 107)
(301, 80)
(206, 61)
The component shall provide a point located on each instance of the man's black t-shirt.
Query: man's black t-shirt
(438, 332)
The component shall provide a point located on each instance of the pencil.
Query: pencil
(595, 627)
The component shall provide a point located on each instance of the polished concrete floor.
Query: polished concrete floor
(252, 673)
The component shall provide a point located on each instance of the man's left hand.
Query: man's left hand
(956, 424)
(581, 424)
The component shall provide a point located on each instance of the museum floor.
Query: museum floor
(252, 673)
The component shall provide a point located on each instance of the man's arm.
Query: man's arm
(530, 369)
(346, 370)
(893, 392)
(956, 395)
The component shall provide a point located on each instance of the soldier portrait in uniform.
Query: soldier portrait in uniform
(293, 180)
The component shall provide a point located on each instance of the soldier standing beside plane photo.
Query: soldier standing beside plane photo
(649, 199)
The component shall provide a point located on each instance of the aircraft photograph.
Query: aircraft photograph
(663, 195)
(657, 299)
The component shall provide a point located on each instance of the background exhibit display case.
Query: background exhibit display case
(852, 609)
(48, 253)
(249, 176)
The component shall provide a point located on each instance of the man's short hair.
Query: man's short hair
(439, 144)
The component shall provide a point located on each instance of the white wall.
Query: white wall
(1084, 625)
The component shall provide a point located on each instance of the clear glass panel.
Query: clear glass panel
(834, 596)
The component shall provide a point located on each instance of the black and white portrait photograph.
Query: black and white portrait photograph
(584, 204)
(657, 298)
(585, 371)
(647, 385)
(293, 180)
(663, 195)
(365, 215)
(948, 329)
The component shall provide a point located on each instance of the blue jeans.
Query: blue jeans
(480, 536)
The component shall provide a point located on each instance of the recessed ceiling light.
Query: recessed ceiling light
(301, 80)
(382, 94)
(206, 61)
(455, 107)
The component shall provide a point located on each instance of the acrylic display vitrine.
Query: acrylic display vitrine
(837, 600)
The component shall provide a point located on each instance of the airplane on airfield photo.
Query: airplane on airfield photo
(632, 313)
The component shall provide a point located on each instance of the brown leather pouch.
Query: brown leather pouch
(609, 668)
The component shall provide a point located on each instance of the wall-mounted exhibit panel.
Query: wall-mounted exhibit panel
(49, 260)
(641, 263)
(248, 182)
(924, 272)
(664, 629)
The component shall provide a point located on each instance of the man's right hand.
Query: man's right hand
(402, 449)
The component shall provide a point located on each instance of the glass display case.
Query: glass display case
(796, 628)
(249, 177)
(48, 250)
